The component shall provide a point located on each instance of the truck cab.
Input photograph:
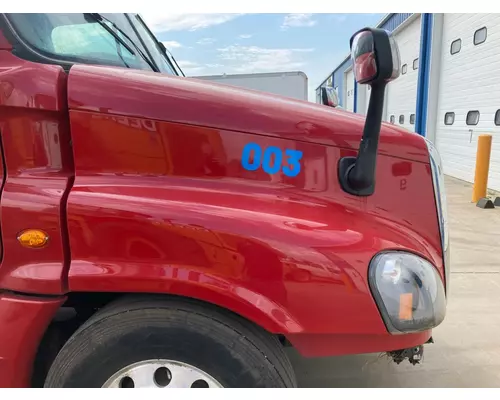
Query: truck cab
(182, 233)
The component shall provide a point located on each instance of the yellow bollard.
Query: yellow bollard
(482, 167)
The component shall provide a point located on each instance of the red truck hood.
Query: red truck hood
(198, 102)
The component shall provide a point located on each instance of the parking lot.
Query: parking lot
(466, 352)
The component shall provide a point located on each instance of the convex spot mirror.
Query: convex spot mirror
(375, 56)
(329, 97)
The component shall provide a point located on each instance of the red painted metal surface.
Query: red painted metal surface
(190, 101)
(163, 204)
(35, 139)
(23, 322)
(313, 345)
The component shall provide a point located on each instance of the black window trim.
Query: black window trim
(451, 46)
(467, 117)
(404, 69)
(452, 114)
(401, 117)
(155, 40)
(485, 37)
(392, 119)
(416, 59)
(412, 119)
(497, 118)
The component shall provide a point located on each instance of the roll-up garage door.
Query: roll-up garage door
(349, 90)
(469, 93)
(402, 92)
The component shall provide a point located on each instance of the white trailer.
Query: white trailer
(288, 84)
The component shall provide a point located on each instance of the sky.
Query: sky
(211, 44)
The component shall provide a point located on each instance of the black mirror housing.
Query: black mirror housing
(375, 56)
(376, 62)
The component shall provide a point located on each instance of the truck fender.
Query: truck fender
(185, 281)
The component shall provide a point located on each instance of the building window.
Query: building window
(472, 118)
(392, 119)
(401, 119)
(455, 47)
(415, 63)
(480, 36)
(497, 118)
(403, 69)
(412, 119)
(449, 118)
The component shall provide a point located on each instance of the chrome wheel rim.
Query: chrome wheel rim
(161, 374)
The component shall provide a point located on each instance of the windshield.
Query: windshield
(79, 38)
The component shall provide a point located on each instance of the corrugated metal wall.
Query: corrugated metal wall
(394, 21)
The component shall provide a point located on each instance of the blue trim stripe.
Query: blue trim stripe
(423, 74)
(355, 109)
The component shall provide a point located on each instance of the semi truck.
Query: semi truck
(289, 84)
(159, 231)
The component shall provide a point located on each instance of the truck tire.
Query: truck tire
(162, 342)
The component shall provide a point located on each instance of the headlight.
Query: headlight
(408, 291)
(441, 205)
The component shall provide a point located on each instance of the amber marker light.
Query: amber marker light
(405, 306)
(33, 238)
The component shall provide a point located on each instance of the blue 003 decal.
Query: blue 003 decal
(264, 159)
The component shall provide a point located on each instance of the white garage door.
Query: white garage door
(402, 93)
(349, 92)
(469, 86)
(363, 99)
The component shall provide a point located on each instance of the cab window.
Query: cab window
(73, 38)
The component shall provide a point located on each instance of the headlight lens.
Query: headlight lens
(408, 290)
(441, 204)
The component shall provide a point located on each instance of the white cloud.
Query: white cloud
(245, 36)
(194, 68)
(172, 44)
(185, 22)
(249, 59)
(238, 59)
(187, 64)
(298, 20)
(190, 67)
(206, 41)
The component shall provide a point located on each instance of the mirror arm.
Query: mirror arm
(357, 174)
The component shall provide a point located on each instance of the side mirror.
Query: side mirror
(376, 61)
(329, 97)
(375, 56)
